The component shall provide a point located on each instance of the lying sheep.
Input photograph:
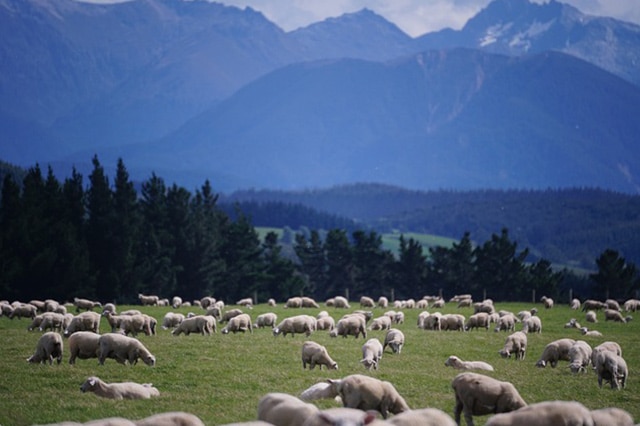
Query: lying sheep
(554, 352)
(368, 393)
(239, 323)
(422, 417)
(86, 304)
(86, 321)
(316, 354)
(611, 368)
(351, 324)
(371, 354)
(532, 325)
(380, 323)
(566, 413)
(516, 343)
(455, 362)
(171, 418)
(125, 390)
(579, 356)
(301, 324)
(573, 323)
(321, 390)
(478, 320)
(122, 349)
(268, 319)
(611, 417)
(203, 324)
(172, 320)
(343, 417)
(478, 395)
(395, 340)
(590, 333)
(282, 409)
(84, 345)
(49, 346)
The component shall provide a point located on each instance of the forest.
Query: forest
(107, 240)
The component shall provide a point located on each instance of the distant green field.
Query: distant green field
(221, 378)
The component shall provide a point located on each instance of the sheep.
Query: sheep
(465, 303)
(484, 306)
(308, 302)
(203, 324)
(573, 323)
(176, 302)
(590, 305)
(148, 300)
(23, 310)
(612, 368)
(239, 323)
(605, 346)
(86, 321)
(380, 323)
(86, 304)
(368, 393)
(524, 315)
(438, 303)
(591, 316)
(125, 390)
(395, 340)
(49, 346)
(343, 417)
(477, 320)
(631, 305)
(383, 302)
(207, 301)
(293, 302)
(422, 417)
(575, 304)
(614, 315)
(122, 349)
(84, 345)
(612, 304)
(131, 312)
(590, 333)
(341, 302)
(109, 307)
(547, 302)
(321, 390)
(399, 318)
(271, 302)
(133, 324)
(351, 324)
(325, 323)
(172, 320)
(506, 323)
(422, 304)
(566, 413)
(554, 352)
(296, 324)
(230, 314)
(479, 395)
(455, 362)
(611, 417)
(452, 322)
(532, 325)
(371, 353)
(579, 356)
(281, 409)
(433, 321)
(316, 354)
(268, 319)
(367, 302)
(171, 418)
(516, 343)
(35, 323)
(247, 302)
(6, 309)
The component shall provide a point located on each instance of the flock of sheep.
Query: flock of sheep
(362, 396)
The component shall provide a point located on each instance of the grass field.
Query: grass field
(221, 378)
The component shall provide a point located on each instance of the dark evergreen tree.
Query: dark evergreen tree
(340, 270)
(280, 279)
(372, 265)
(411, 271)
(544, 280)
(12, 235)
(453, 268)
(313, 262)
(616, 278)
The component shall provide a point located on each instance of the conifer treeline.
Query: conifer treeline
(108, 242)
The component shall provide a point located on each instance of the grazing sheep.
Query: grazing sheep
(477, 320)
(478, 395)
(230, 314)
(308, 302)
(316, 354)
(485, 306)
(172, 320)
(350, 324)
(207, 301)
(422, 417)
(271, 302)
(171, 418)
(148, 300)
(122, 349)
(35, 323)
(23, 310)
(343, 417)
(247, 302)
(125, 390)
(614, 315)
(611, 417)
(239, 323)
(554, 352)
(631, 305)
(455, 362)
(547, 302)
(532, 325)
(590, 333)
(84, 345)
(371, 353)
(281, 409)
(516, 343)
(591, 317)
(506, 323)
(560, 413)
(367, 302)
(133, 324)
(399, 318)
(301, 324)
(611, 368)
(395, 340)
(341, 302)
(612, 304)
(605, 346)
(465, 303)
(594, 305)
(383, 302)
(53, 321)
(176, 302)
(580, 356)
(49, 346)
(380, 323)
(438, 303)
(131, 312)
(109, 307)
(368, 393)
(575, 304)
(86, 321)
(86, 304)
(293, 302)
(268, 319)
(203, 324)
(325, 323)
(321, 390)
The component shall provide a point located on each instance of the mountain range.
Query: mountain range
(525, 95)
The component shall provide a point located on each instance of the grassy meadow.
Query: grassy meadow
(220, 378)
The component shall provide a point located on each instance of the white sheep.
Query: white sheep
(341, 302)
(614, 315)
(532, 325)
(380, 323)
(239, 323)
(372, 352)
(573, 323)
(547, 302)
(86, 321)
(590, 333)
(281, 409)
(452, 322)
(176, 302)
(271, 302)
(591, 316)
(293, 302)
(455, 362)
(611, 368)
(605, 346)
(367, 302)
(433, 321)
(122, 349)
(23, 310)
(575, 304)
(301, 324)
(350, 324)
(368, 393)
(343, 417)
(565, 413)
(516, 343)
(422, 417)
(84, 345)
(580, 356)
(268, 319)
(611, 416)
(395, 340)
(53, 321)
(49, 346)
(592, 305)
(554, 352)
(383, 302)
(477, 320)
(479, 395)
(315, 354)
(134, 324)
(506, 323)
(86, 304)
(325, 323)
(203, 324)
(109, 307)
(171, 418)
(230, 314)
(172, 320)
(148, 300)
(321, 390)
(246, 302)
(631, 305)
(308, 302)
(612, 304)
(124, 390)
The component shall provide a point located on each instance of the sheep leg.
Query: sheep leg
(457, 410)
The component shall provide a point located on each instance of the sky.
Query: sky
(415, 17)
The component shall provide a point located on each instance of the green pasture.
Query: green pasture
(220, 378)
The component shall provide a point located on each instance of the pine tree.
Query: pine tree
(313, 263)
(12, 233)
(340, 269)
(616, 278)
(411, 270)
